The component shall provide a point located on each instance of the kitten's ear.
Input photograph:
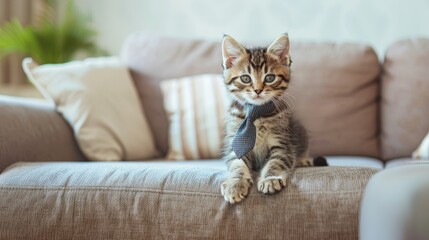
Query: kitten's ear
(280, 49)
(231, 51)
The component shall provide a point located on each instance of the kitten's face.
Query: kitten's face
(259, 75)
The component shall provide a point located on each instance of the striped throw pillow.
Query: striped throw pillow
(422, 152)
(196, 108)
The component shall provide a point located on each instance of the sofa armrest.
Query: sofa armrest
(32, 131)
(395, 204)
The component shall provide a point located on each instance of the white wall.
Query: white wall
(377, 22)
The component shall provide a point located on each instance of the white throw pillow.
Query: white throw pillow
(196, 108)
(422, 152)
(97, 98)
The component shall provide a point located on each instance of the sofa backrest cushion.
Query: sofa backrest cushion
(335, 87)
(405, 98)
(337, 92)
(153, 59)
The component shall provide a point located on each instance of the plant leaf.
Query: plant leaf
(52, 41)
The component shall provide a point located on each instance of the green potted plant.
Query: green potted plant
(52, 40)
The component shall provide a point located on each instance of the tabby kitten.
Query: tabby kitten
(255, 77)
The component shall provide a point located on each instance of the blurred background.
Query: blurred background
(378, 22)
(106, 23)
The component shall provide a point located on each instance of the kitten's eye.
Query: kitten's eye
(245, 79)
(270, 78)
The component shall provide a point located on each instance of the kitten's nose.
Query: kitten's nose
(257, 91)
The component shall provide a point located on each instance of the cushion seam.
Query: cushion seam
(27, 188)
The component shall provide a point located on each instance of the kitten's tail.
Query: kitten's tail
(313, 162)
(320, 161)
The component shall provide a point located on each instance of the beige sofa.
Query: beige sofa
(362, 114)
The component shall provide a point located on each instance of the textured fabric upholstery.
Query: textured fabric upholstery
(405, 98)
(32, 131)
(150, 201)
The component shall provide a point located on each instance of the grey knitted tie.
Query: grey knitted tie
(245, 138)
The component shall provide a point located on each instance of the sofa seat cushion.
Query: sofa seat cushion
(139, 200)
(405, 161)
(355, 161)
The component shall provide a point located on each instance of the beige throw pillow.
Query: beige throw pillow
(422, 152)
(97, 98)
(196, 108)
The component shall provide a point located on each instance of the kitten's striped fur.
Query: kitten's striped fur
(281, 142)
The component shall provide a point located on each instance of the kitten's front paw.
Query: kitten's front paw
(271, 184)
(236, 189)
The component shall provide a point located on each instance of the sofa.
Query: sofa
(365, 113)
